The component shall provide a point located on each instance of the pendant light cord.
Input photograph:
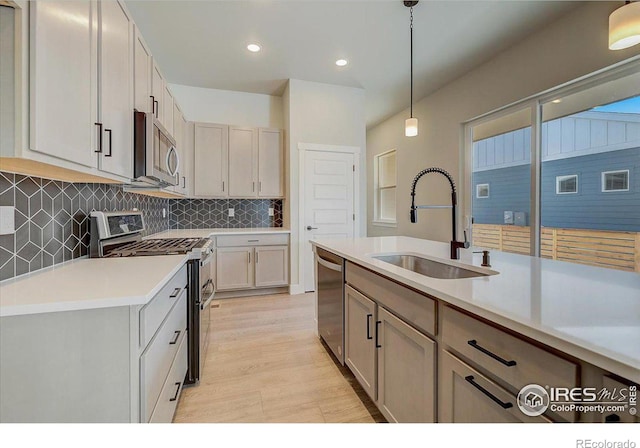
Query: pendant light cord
(411, 32)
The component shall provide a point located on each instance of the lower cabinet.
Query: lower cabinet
(252, 262)
(393, 362)
(467, 396)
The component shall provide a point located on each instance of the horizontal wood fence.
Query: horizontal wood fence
(616, 250)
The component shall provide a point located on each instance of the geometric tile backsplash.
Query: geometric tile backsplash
(214, 213)
(52, 217)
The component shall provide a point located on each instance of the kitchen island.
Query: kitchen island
(575, 325)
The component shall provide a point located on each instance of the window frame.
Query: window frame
(478, 191)
(377, 220)
(563, 178)
(603, 176)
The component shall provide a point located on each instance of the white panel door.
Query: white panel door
(116, 92)
(64, 80)
(328, 202)
(243, 162)
(211, 151)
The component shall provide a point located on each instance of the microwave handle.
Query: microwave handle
(173, 151)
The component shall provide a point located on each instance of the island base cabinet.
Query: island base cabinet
(466, 396)
(406, 371)
(359, 345)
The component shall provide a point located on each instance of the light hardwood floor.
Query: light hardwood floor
(266, 364)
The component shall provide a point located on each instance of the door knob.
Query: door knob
(311, 228)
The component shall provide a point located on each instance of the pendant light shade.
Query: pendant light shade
(411, 127)
(411, 124)
(624, 26)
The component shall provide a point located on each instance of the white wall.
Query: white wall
(321, 114)
(229, 107)
(564, 50)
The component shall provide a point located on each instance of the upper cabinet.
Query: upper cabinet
(238, 162)
(157, 91)
(167, 115)
(243, 162)
(211, 152)
(82, 112)
(184, 152)
(142, 66)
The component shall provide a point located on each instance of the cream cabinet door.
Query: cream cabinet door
(406, 372)
(211, 153)
(360, 343)
(270, 163)
(234, 268)
(116, 89)
(63, 97)
(142, 66)
(167, 115)
(467, 396)
(272, 266)
(157, 91)
(243, 161)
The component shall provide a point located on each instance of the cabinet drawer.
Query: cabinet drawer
(467, 396)
(170, 393)
(152, 314)
(513, 360)
(157, 358)
(253, 240)
(414, 308)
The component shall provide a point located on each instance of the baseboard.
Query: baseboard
(250, 292)
(296, 289)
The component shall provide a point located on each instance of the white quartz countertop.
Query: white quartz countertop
(588, 312)
(88, 283)
(205, 233)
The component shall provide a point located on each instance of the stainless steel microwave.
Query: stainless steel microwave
(155, 158)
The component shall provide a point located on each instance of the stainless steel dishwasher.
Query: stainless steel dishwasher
(329, 288)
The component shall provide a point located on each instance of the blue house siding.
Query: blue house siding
(508, 190)
(589, 208)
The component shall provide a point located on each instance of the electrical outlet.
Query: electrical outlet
(272, 212)
(7, 220)
(164, 212)
(232, 213)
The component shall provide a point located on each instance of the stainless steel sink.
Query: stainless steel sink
(430, 268)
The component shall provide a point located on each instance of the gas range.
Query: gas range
(195, 247)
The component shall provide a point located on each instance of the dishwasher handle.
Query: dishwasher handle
(327, 264)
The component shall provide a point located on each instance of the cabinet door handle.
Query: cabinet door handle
(175, 340)
(157, 106)
(175, 396)
(153, 104)
(256, 257)
(369, 316)
(473, 343)
(378, 333)
(253, 187)
(184, 182)
(99, 137)
(110, 142)
(259, 186)
(175, 293)
(222, 185)
(471, 381)
(249, 254)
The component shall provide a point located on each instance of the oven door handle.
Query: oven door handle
(207, 260)
(207, 294)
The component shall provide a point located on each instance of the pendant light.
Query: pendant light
(624, 26)
(411, 124)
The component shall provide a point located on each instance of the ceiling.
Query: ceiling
(203, 43)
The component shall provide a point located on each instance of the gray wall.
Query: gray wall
(589, 208)
(508, 190)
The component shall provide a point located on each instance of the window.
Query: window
(615, 181)
(385, 188)
(567, 184)
(482, 191)
(532, 154)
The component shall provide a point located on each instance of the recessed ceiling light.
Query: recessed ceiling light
(341, 62)
(254, 48)
(557, 101)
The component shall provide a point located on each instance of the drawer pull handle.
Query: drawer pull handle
(175, 340)
(377, 333)
(369, 316)
(473, 343)
(487, 393)
(175, 396)
(253, 241)
(175, 293)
